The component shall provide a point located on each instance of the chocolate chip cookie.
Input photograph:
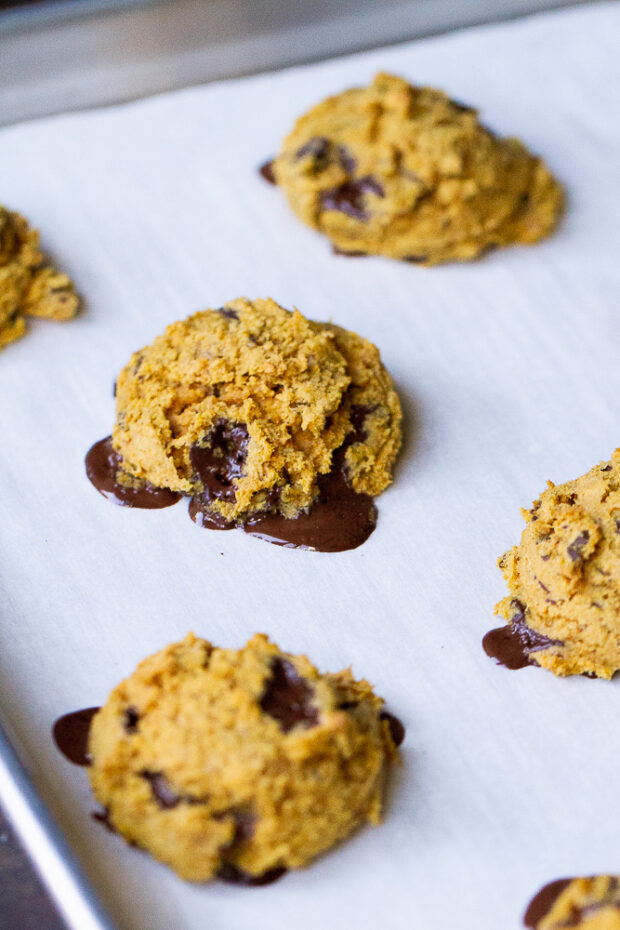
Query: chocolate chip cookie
(239, 764)
(258, 414)
(402, 171)
(564, 580)
(589, 903)
(28, 287)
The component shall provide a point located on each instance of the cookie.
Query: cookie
(28, 287)
(249, 408)
(403, 171)
(239, 764)
(590, 903)
(564, 580)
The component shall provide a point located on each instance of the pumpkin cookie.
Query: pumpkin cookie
(27, 286)
(239, 764)
(564, 580)
(248, 409)
(402, 171)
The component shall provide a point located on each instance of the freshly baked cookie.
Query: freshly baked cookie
(27, 287)
(239, 764)
(404, 171)
(589, 903)
(564, 576)
(248, 408)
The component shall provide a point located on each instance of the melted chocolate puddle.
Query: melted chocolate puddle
(541, 904)
(339, 519)
(512, 645)
(266, 172)
(397, 727)
(234, 876)
(70, 734)
(102, 465)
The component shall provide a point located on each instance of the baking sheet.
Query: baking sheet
(508, 371)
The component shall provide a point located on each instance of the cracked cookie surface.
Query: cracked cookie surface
(590, 903)
(564, 576)
(28, 287)
(405, 172)
(239, 762)
(247, 405)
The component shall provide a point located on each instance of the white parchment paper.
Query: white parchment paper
(509, 374)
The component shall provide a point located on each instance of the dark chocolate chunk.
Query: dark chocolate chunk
(162, 792)
(316, 148)
(130, 720)
(350, 197)
(512, 645)
(228, 312)
(575, 548)
(103, 464)
(397, 728)
(235, 876)
(219, 459)
(288, 697)
(606, 467)
(70, 734)
(541, 904)
(266, 172)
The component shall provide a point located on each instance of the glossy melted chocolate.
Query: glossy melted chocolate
(70, 734)
(541, 904)
(102, 465)
(512, 645)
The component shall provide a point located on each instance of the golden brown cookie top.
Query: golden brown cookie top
(564, 576)
(247, 759)
(588, 903)
(27, 287)
(248, 403)
(406, 172)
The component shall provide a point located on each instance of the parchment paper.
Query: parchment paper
(509, 373)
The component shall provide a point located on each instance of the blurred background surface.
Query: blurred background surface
(70, 54)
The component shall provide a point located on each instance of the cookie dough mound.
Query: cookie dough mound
(403, 171)
(246, 405)
(589, 903)
(237, 763)
(27, 287)
(564, 576)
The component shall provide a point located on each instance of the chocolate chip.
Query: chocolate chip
(617, 524)
(219, 459)
(162, 792)
(606, 467)
(348, 705)
(230, 873)
(287, 697)
(316, 148)
(575, 548)
(358, 416)
(346, 160)
(415, 259)
(397, 728)
(229, 313)
(266, 172)
(130, 720)
(350, 198)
